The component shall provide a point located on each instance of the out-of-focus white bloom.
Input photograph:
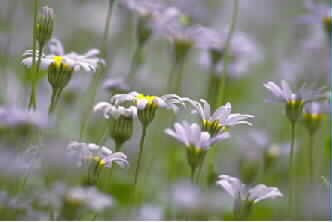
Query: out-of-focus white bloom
(221, 119)
(116, 85)
(89, 197)
(150, 212)
(115, 111)
(243, 52)
(11, 117)
(104, 156)
(236, 189)
(88, 61)
(284, 94)
(294, 101)
(313, 114)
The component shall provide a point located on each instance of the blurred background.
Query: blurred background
(277, 40)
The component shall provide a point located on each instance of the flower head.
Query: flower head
(319, 14)
(195, 140)
(313, 114)
(294, 100)
(148, 105)
(103, 156)
(121, 121)
(236, 189)
(222, 119)
(88, 61)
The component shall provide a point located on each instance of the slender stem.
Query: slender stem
(311, 160)
(179, 77)
(92, 91)
(135, 63)
(141, 147)
(192, 175)
(220, 95)
(212, 87)
(32, 104)
(175, 77)
(291, 173)
(107, 28)
(118, 146)
(54, 100)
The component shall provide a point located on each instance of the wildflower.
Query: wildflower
(148, 105)
(89, 197)
(294, 101)
(122, 118)
(313, 114)
(243, 52)
(61, 66)
(116, 86)
(221, 120)
(246, 196)
(195, 140)
(103, 156)
(319, 14)
(44, 26)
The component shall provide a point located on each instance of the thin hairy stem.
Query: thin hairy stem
(221, 90)
(98, 77)
(32, 104)
(291, 194)
(135, 64)
(311, 160)
(140, 154)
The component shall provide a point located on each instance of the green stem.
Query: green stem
(220, 95)
(107, 28)
(141, 147)
(92, 91)
(32, 103)
(175, 77)
(54, 100)
(291, 193)
(213, 86)
(118, 146)
(311, 160)
(135, 63)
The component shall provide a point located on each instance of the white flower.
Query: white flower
(234, 187)
(115, 111)
(221, 119)
(88, 61)
(169, 101)
(103, 155)
(192, 136)
(90, 197)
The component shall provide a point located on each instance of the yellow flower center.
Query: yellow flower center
(150, 99)
(59, 60)
(100, 161)
(327, 20)
(313, 116)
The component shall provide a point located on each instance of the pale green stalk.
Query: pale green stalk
(140, 154)
(291, 192)
(221, 90)
(92, 91)
(32, 103)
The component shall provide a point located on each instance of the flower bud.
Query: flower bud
(271, 154)
(44, 26)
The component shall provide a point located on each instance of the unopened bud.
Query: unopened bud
(44, 26)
